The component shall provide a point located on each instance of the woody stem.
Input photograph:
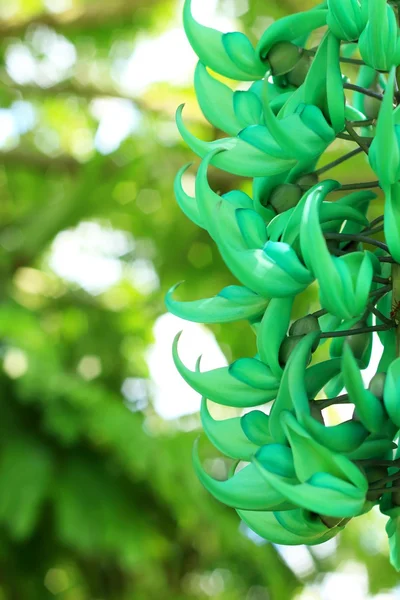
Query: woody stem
(395, 298)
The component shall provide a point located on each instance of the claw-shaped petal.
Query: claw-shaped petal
(322, 493)
(369, 409)
(347, 18)
(311, 457)
(240, 157)
(223, 387)
(384, 154)
(246, 489)
(272, 331)
(255, 425)
(290, 28)
(227, 435)
(233, 303)
(379, 42)
(306, 528)
(345, 282)
(231, 54)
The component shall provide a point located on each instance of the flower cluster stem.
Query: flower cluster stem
(338, 161)
(341, 237)
(395, 299)
(362, 90)
(357, 138)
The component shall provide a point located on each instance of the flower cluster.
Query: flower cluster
(298, 480)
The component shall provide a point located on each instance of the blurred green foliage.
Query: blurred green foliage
(98, 499)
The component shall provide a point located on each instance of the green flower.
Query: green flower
(347, 18)
(379, 43)
(296, 479)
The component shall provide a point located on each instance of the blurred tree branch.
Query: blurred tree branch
(89, 16)
(73, 87)
(27, 158)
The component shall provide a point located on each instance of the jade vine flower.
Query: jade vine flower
(298, 479)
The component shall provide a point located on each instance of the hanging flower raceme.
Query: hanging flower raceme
(298, 479)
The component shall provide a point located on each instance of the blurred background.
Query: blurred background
(98, 496)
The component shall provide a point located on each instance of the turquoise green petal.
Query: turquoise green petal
(267, 525)
(347, 18)
(288, 29)
(341, 293)
(384, 154)
(310, 457)
(323, 493)
(246, 489)
(369, 408)
(253, 372)
(344, 437)
(318, 375)
(334, 86)
(252, 227)
(220, 386)
(233, 303)
(256, 270)
(221, 114)
(373, 446)
(241, 52)
(187, 204)
(240, 158)
(255, 425)
(272, 331)
(379, 42)
(209, 46)
(227, 435)
(247, 107)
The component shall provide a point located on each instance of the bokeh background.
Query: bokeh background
(98, 499)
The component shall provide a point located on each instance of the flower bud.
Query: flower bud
(306, 325)
(372, 107)
(359, 342)
(283, 57)
(377, 384)
(298, 74)
(287, 347)
(308, 180)
(284, 197)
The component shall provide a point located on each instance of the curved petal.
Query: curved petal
(209, 46)
(187, 204)
(369, 408)
(255, 425)
(246, 489)
(289, 28)
(240, 158)
(216, 101)
(233, 303)
(323, 493)
(267, 525)
(227, 435)
(222, 387)
(272, 331)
